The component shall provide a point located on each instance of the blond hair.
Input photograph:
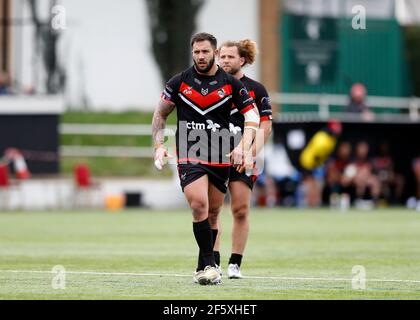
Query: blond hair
(246, 48)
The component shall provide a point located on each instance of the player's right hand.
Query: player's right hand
(161, 157)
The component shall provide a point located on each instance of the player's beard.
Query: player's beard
(232, 70)
(206, 68)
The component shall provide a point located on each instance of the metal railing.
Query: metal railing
(408, 108)
(108, 130)
(408, 113)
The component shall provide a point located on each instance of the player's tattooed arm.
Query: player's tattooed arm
(160, 116)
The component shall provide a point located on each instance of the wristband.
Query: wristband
(159, 145)
(251, 127)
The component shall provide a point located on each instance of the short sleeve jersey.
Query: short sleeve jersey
(204, 105)
(258, 92)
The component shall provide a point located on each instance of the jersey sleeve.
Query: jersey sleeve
(263, 103)
(241, 97)
(170, 93)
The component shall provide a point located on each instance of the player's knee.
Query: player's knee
(240, 212)
(199, 208)
(213, 221)
(213, 214)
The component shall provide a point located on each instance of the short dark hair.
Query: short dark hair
(203, 36)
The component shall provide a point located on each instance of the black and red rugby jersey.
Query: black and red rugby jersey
(204, 105)
(258, 92)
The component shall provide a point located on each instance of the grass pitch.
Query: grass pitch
(145, 254)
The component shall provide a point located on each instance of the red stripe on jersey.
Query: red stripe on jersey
(193, 160)
(266, 118)
(209, 99)
(246, 109)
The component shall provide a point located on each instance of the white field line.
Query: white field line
(183, 275)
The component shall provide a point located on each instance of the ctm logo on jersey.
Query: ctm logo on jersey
(213, 126)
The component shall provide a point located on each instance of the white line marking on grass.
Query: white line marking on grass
(101, 273)
(330, 279)
(184, 275)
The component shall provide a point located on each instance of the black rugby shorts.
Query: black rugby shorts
(236, 176)
(218, 176)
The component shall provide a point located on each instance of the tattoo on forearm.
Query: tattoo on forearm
(162, 112)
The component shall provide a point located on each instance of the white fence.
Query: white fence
(31, 105)
(408, 107)
(107, 129)
(409, 113)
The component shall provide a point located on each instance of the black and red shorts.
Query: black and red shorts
(237, 176)
(218, 176)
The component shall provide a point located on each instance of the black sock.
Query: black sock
(204, 237)
(201, 264)
(214, 233)
(217, 257)
(235, 258)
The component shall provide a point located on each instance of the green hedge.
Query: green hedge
(105, 166)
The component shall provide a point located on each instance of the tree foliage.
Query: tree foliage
(172, 23)
(46, 39)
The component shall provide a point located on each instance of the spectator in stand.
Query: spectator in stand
(414, 201)
(279, 180)
(416, 171)
(392, 183)
(309, 192)
(359, 174)
(335, 183)
(357, 102)
(312, 163)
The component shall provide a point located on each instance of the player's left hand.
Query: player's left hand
(247, 164)
(241, 160)
(236, 157)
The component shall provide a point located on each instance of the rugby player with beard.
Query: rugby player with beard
(203, 95)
